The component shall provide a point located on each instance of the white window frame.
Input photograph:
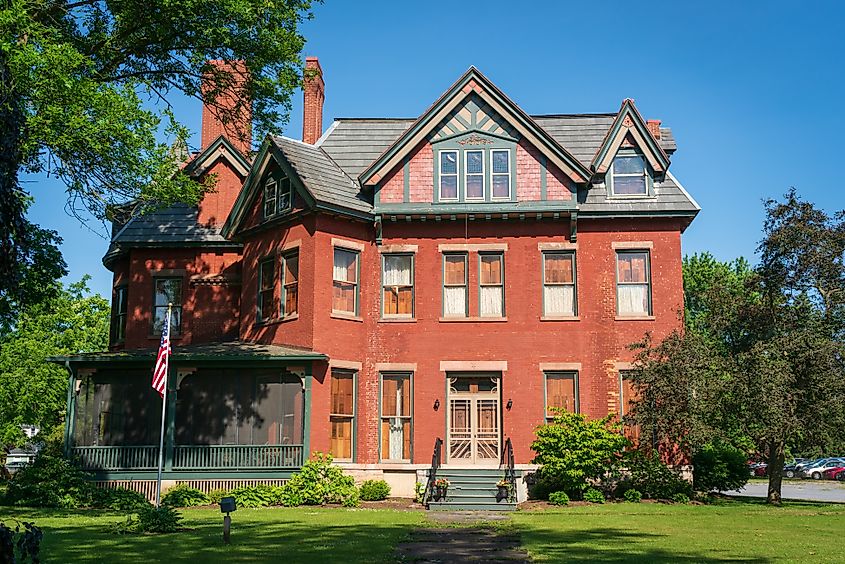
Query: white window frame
(357, 254)
(465, 285)
(409, 377)
(493, 174)
(482, 174)
(501, 285)
(647, 283)
(412, 285)
(574, 283)
(614, 175)
(271, 182)
(441, 174)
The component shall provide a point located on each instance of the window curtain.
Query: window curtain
(559, 300)
(633, 299)
(344, 266)
(397, 271)
(454, 301)
(491, 301)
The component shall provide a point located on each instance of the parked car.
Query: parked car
(833, 473)
(791, 470)
(817, 471)
(801, 471)
(757, 468)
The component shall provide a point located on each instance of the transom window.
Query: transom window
(277, 196)
(398, 285)
(474, 175)
(628, 176)
(559, 284)
(633, 283)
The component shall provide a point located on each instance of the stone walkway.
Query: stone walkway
(475, 544)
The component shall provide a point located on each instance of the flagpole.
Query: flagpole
(163, 409)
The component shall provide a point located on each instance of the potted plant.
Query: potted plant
(504, 487)
(441, 485)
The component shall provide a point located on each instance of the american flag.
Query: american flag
(160, 370)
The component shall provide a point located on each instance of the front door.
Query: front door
(474, 421)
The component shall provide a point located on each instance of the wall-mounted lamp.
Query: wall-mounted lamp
(436, 404)
(509, 405)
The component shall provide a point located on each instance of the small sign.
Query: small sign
(227, 505)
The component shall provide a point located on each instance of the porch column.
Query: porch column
(170, 420)
(306, 423)
(70, 409)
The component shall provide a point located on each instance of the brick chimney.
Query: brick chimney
(654, 126)
(314, 94)
(231, 97)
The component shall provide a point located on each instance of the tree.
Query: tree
(33, 391)
(86, 89)
(762, 358)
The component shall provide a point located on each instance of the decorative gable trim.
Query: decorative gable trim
(220, 148)
(629, 126)
(475, 84)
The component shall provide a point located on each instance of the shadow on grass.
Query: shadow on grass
(266, 536)
(612, 545)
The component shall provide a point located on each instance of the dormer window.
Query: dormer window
(277, 196)
(474, 178)
(474, 175)
(629, 176)
(448, 175)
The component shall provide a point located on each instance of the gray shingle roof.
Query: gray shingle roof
(669, 197)
(322, 176)
(354, 143)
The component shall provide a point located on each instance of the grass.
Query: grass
(736, 531)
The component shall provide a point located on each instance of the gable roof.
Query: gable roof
(628, 121)
(220, 148)
(471, 82)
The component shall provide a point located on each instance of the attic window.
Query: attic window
(277, 196)
(628, 176)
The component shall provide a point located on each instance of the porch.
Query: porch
(233, 410)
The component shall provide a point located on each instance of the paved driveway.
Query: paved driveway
(804, 490)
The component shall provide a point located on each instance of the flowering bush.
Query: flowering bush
(441, 483)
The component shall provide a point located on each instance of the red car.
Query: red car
(837, 473)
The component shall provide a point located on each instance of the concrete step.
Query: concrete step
(471, 506)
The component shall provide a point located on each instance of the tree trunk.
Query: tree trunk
(775, 471)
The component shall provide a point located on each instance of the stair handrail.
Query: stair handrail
(432, 473)
(508, 465)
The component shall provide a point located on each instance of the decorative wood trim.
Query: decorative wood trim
(557, 246)
(347, 244)
(632, 245)
(451, 248)
(396, 367)
(473, 365)
(386, 249)
(345, 364)
(560, 366)
(289, 246)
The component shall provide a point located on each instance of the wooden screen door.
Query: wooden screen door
(474, 421)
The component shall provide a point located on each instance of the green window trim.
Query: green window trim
(288, 286)
(573, 284)
(277, 195)
(175, 327)
(648, 282)
(648, 173)
(468, 142)
(266, 293)
(356, 284)
(353, 418)
(465, 285)
(119, 313)
(409, 376)
(501, 285)
(560, 374)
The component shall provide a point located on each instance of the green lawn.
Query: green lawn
(650, 532)
(621, 532)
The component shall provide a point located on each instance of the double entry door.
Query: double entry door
(474, 419)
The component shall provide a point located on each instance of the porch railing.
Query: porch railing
(436, 460)
(117, 457)
(507, 464)
(193, 457)
(236, 457)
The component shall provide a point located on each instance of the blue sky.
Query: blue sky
(752, 91)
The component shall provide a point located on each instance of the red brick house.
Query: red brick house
(385, 283)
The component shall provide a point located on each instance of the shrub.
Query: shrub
(164, 519)
(118, 499)
(20, 546)
(558, 498)
(719, 467)
(634, 496)
(50, 481)
(254, 496)
(214, 496)
(593, 496)
(374, 490)
(680, 498)
(183, 495)
(574, 451)
(419, 492)
(652, 478)
(319, 482)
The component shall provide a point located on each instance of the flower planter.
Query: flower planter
(440, 493)
(502, 493)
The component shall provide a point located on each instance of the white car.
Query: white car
(817, 472)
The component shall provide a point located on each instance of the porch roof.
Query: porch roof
(233, 351)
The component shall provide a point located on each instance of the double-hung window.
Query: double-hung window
(561, 393)
(167, 291)
(278, 196)
(474, 175)
(448, 175)
(285, 195)
(491, 283)
(627, 397)
(559, 284)
(290, 283)
(501, 173)
(345, 275)
(342, 417)
(266, 289)
(455, 295)
(398, 285)
(396, 417)
(119, 310)
(270, 197)
(628, 176)
(633, 283)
